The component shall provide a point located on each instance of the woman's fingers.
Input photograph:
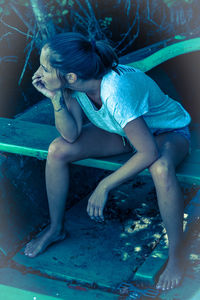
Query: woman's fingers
(95, 212)
(101, 216)
(36, 80)
(90, 211)
(96, 204)
(97, 215)
(35, 76)
(41, 88)
(38, 85)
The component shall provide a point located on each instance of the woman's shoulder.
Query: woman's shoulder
(122, 77)
(123, 72)
(126, 69)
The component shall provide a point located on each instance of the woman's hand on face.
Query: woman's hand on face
(40, 87)
(96, 203)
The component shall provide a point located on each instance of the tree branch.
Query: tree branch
(5, 35)
(8, 58)
(93, 29)
(133, 39)
(28, 25)
(44, 23)
(27, 57)
(83, 9)
(14, 28)
(137, 17)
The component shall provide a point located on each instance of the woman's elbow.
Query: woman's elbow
(71, 139)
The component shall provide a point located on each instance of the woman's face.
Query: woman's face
(46, 73)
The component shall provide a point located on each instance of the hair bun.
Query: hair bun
(74, 52)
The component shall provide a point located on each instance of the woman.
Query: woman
(128, 112)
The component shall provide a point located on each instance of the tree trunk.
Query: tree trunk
(45, 25)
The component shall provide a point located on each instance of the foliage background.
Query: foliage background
(128, 25)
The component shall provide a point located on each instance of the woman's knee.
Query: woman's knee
(161, 170)
(61, 150)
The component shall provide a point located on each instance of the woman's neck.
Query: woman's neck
(92, 88)
(93, 92)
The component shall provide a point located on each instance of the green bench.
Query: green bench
(32, 139)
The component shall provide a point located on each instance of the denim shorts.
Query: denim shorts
(184, 131)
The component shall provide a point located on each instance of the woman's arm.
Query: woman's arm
(143, 141)
(68, 116)
(147, 152)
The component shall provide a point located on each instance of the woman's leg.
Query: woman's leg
(93, 142)
(173, 149)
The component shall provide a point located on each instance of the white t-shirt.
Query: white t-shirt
(129, 95)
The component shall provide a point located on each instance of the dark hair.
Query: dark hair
(73, 52)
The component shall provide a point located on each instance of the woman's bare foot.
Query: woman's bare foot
(171, 276)
(45, 239)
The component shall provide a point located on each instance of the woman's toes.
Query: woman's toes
(31, 254)
(169, 285)
(159, 285)
(165, 285)
(25, 250)
(28, 246)
(174, 284)
(29, 250)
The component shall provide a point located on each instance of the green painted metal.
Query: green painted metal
(49, 287)
(179, 37)
(167, 53)
(148, 271)
(12, 293)
(26, 138)
(22, 150)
